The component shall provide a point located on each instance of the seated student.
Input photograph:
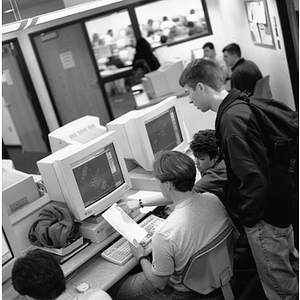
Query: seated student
(196, 221)
(209, 163)
(39, 276)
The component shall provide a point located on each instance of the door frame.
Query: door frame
(92, 57)
(30, 90)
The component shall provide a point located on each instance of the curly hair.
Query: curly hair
(205, 142)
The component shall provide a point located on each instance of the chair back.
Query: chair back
(212, 266)
(262, 88)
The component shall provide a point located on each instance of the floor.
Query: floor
(26, 162)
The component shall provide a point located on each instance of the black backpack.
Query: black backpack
(280, 128)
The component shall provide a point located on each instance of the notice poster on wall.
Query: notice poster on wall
(67, 60)
(259, 23)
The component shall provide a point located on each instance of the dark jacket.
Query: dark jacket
(245, 74)
(144, 52)
(252, 190)
(212, 180)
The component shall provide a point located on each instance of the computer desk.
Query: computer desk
(88, 265)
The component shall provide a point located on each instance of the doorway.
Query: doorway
(26, 122)
(70, 73)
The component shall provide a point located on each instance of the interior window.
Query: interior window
(169, 21)
(112, 39)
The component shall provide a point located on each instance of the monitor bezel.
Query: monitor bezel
(63, 165)
(12, 241)
(148, 115)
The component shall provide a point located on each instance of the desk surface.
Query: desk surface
(88, 265)
(100, 273)
(109, 72)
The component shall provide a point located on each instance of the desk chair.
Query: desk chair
(212, 266)
(262, 88)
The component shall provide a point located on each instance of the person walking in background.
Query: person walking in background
(210, 52)
(245, 73)
(264, 208)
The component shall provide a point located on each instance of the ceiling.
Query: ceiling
(15, 10)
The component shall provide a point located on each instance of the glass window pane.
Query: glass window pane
(170, 21)
(112, 39)
(113, 42)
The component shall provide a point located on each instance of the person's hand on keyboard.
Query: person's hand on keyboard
(136, 249)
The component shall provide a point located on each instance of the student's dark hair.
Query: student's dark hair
(233, 48)
(176, 167)
(208, 45)
(38, 275)
(202, 70)
(205, 142)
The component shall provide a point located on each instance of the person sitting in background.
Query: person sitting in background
(210, 52)
(245, 73)
(195, 222)
(144, 60)
(39, 276)
(194, 28)
(144, 51)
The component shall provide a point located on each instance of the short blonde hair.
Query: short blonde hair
(176, 167)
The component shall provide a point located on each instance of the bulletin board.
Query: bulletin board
(259, 23)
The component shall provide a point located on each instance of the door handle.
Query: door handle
(7, 104)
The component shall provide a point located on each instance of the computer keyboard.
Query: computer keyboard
(119, 252)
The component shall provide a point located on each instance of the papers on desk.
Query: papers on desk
(125, 225)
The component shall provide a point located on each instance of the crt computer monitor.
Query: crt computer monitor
(164, 80)
(10, 246)
(79, 131)
(145, 133)
(89, 177)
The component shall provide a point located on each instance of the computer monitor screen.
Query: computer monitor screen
(10, 248)
(89, 178)
(146, 133)
(98, 176)
(164, 132)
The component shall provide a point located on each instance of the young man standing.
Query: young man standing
(209, 51)
(264, 208)
(245, 73)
